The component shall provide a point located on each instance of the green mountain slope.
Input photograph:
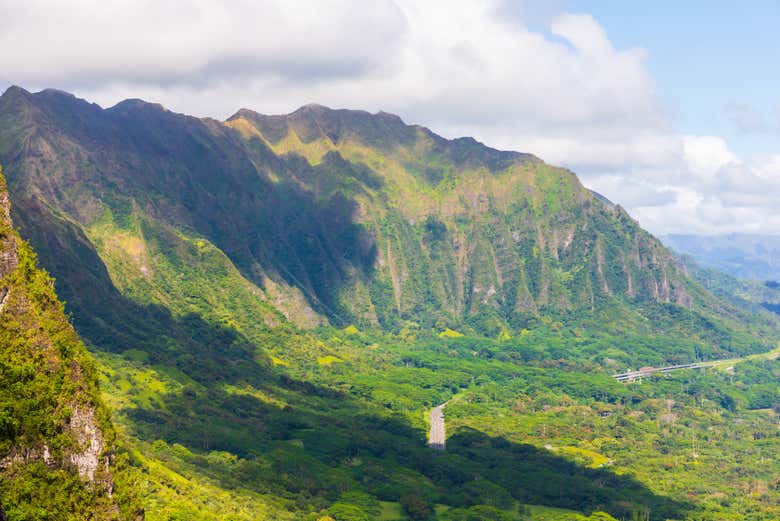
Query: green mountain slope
(275, 302)
(56, 438)
(461, 229)
(325, 216)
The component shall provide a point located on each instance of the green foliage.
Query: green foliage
(416, 507)
(36, 492)
(477, 513)
(46, 377)
(191, 263)
(347, 512)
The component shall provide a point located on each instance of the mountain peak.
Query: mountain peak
(243, 113)
(312, 107)
(49, 100)
(15, 95)
(381, 130)
(134, 104)
(56, 92)
(389, 116)
(15, 90)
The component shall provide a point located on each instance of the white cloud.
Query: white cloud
(449, 64)
(93, 43)
(465, 67)
(706, 155)
(717, 192)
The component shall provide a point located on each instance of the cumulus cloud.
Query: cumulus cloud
(454, 65)
(522, 75)
(706, 155)
(721, 193)
(88, 43)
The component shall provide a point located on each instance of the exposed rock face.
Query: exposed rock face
(4, 292)
(92, 457)
(5, 206)
(9, 256)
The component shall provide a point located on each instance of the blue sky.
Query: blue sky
(705, 57)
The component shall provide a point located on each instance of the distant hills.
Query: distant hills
(746, 256)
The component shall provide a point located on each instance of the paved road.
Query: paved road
(437, 437)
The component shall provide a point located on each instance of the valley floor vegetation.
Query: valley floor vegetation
(332, 424)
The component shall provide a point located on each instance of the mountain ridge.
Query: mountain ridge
(336, 215)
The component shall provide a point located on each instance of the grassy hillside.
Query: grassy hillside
(757, 296)
(462, 231)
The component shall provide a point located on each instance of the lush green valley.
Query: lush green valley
(539, 433)
(274, 303)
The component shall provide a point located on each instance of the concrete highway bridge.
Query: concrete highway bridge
(631, 376)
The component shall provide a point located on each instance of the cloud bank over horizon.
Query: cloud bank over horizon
(558, 89)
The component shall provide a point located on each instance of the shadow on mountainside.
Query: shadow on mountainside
(274, 216)
(308, 442)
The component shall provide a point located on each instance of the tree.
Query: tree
(416, 507)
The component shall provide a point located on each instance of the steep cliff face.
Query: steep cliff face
(462, 230)
(9, 255)
(320, 216)
(55, 435)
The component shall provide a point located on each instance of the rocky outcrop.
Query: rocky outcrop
(5, 206)
(91, 454)
(9, 255)
(7, 264)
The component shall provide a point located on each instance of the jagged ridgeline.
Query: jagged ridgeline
(460, 229)
(56, 438)
(321, 216)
